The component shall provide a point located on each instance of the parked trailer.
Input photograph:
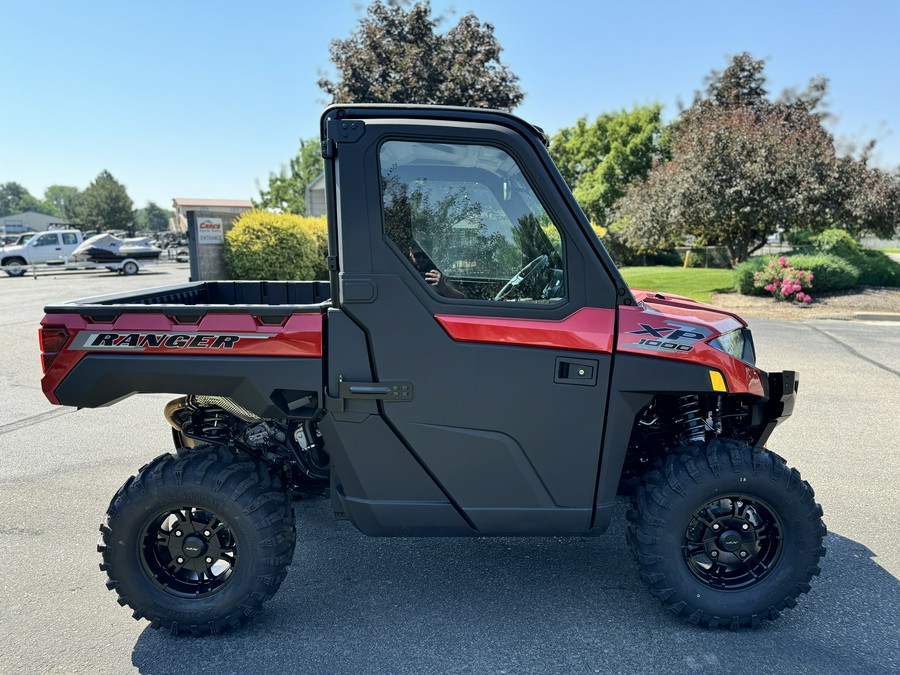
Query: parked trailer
(128, 267)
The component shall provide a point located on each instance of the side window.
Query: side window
(69, 238)
(469, 223)
(47, 240)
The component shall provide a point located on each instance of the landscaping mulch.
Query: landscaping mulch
(844, 305)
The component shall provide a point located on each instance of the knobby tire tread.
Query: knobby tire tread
(253, 489)
(691, 470)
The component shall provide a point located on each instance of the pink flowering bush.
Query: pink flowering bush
(784, 282)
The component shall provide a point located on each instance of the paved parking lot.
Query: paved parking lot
(353, 604)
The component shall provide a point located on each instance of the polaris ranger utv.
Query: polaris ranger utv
(475, 366)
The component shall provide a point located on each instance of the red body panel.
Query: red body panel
(669, 314)
(689, 310)
(215, 334)
(589, 329)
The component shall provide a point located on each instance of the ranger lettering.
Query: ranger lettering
(225, 341)
(178, 340)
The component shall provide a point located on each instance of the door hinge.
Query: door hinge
(332, 263)
(344, 131)
(327, 148)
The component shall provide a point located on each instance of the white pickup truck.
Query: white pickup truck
(54, 246)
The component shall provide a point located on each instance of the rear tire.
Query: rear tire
(197, 542)
(130, 268)
(726, 535)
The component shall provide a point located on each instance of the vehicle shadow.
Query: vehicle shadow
(353, 604)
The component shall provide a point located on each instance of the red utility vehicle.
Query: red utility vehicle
(474, 366)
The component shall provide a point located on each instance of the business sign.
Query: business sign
(210, 231)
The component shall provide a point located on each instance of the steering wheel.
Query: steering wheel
(530, 270)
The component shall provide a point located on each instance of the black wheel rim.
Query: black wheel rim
(188, 552)
(733, 542)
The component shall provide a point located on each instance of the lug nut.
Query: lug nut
(745, 526)
(177, 533)
(206, 533)
(179, 560)
(716, 526)
(208, 561)
(743, 554)
(713, 554)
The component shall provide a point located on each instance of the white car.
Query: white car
(45, 247)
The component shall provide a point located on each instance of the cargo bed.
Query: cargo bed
(258, 298)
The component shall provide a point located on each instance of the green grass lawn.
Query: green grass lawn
(888, 250)
(698, 284)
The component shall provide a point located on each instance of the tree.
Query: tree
(62, 198)
(16, 199)
(743, 167)
(600, 160)
(287, 189)
(105, 205)
(867, 199)
(395, 56)
(153, 218)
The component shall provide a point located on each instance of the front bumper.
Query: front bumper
(781, 392)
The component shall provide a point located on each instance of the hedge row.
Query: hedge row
(836, 260)
(830, 273)
(875, 268)
(277, 246)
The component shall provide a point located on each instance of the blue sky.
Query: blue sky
(205, 99)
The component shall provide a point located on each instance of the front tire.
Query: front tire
(130, 268)
(15, 267)
(197, 542)
(726, 535)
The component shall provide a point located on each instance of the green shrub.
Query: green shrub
(835, 258)
(710, 256)
(836, 242)
(629, 258)
(743, 274)
(874, 267)
(277, 246)
(877, 269)
(801, 238)
(830, 273)
(626, 256)
(664, 258)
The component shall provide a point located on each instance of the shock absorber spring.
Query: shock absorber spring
(690, 419)
(214, 423)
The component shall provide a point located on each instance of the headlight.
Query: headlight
(737, 343)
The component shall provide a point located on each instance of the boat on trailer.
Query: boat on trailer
(107, 248)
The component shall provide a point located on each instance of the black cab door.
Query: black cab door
(485, 308)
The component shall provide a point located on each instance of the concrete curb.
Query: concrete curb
(876, 316)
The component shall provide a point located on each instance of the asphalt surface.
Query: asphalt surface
(352, 604)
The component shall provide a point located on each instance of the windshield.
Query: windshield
(18, 240)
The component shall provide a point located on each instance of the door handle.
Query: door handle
(390, 390)
(582, 372)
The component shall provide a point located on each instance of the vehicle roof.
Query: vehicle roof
(440, 112)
